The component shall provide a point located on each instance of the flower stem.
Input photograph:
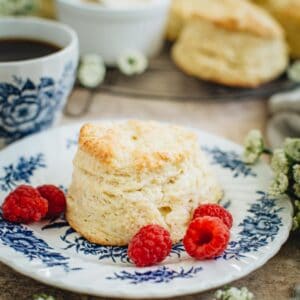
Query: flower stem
(268, 151)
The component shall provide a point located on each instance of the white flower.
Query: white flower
(279, 185)
(297, 291)
(294, 71)
(91, 71)
(91, 76)
(91, 58)
(279, 162)
(43, 297)
(296, 173)
(132, 62)
(254, 146)
(17, 7)
(292, 148)
(234, 293)
(297, 189)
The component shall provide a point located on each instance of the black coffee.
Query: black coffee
(21, 49)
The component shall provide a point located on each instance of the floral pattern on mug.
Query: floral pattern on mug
(27, 107)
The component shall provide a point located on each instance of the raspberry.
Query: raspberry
(206, 237)
(55, 197)
(24, 205)
(214, 210)
(151, 245)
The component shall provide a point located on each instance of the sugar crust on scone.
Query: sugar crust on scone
(134, 173)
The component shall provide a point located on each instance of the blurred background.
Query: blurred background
(187, 62)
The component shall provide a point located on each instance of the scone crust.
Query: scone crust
(237, 59)
(287, 13)
(119, 184)
(137, 140)
(229, 14)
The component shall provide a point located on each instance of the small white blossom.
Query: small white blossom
(91, 58)
(294, 71)
(91, 71)
(132, 62)
(296, 173)
(296, 221)
(254, 146)
(279, 162)
(91, 76)
(297, 291)
(234, 293)
(297, 189)
(17, 7)
(279, 185)
(292, 148)
(43, 297)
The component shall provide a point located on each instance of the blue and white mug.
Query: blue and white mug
(33, 92)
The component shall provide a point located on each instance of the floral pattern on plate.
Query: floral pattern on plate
(261, 226)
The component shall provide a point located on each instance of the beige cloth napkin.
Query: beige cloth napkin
(285, 117)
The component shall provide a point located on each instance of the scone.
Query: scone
(231, 42)
(133, 173)
(287, 12)
(232, 14)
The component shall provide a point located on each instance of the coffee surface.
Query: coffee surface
(17, 49)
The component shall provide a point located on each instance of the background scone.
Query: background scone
(130, 174)
(287, 12)
(231, 42)
(231, 13)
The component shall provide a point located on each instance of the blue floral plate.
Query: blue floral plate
(53, 253)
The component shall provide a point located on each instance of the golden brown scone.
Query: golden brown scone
(239, 59)
(230, 14)
(133, 173)
(287, 12)
(231, 42)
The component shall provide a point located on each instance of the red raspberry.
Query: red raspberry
(24, 205)
(206, 237)
(55, 197)
(151, 245)
(214, 210)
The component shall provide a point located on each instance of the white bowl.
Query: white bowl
(109, 31)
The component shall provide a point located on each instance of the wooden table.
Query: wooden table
(231, 119)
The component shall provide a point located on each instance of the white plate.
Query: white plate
(52, 253)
